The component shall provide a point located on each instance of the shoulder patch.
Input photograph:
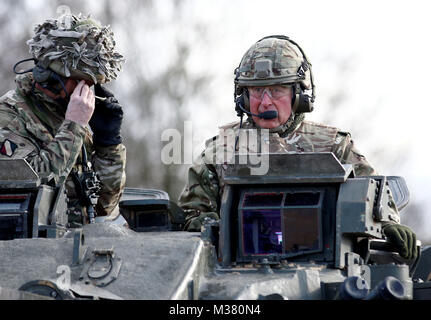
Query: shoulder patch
(8, 148)
(14, 146)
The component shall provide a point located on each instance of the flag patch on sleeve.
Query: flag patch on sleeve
(8, 148)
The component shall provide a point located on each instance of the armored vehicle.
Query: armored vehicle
(307, 229)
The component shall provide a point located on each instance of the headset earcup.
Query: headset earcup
(242, 99)
(41, 74)
(304, 104)
(239, 101)
(295, 102)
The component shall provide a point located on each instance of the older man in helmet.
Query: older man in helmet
(47, 119)
(271, 86)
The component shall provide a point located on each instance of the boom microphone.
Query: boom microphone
(267, 115)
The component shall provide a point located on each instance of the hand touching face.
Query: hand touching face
(81, 104)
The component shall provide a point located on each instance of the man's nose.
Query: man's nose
(266, 100)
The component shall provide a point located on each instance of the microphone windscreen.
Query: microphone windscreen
(268, 115)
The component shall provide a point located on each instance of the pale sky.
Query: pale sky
(387, 43)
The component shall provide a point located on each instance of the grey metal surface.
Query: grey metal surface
(400, 191)
(423, 270)
(225, 225)
(139, 194)
(42, 207)
(17, 173)
(299, 282)
(354, 215)
(154, 263)
(401, 272)
(184, 265)
(290, 168)
(13, 294)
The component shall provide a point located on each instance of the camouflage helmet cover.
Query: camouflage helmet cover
(273, 61)
(81, 48)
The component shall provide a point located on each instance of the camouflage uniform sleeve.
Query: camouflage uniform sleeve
(346, 151)
(110, 165)
(201, 192)
(56, 157)
(60, 155)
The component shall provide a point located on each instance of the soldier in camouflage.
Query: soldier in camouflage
(270, 86)
(47, 119)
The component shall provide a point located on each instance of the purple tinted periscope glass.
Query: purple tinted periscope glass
(262, 231)
(280, 222)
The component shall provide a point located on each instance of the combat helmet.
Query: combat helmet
(276, 60)
(76, 47)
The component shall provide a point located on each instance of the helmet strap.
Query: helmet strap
(295, 97)
(63, 86)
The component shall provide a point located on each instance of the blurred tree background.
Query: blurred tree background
(180, 57)
(156, 85)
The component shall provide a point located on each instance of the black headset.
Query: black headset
(43, 76)
(301, 102)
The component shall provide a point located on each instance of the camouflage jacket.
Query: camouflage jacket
(33, 127)
(205, 184)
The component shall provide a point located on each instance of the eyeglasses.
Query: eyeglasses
(274, 92)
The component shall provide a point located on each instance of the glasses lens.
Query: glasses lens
(275, 92)
(256, 92)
